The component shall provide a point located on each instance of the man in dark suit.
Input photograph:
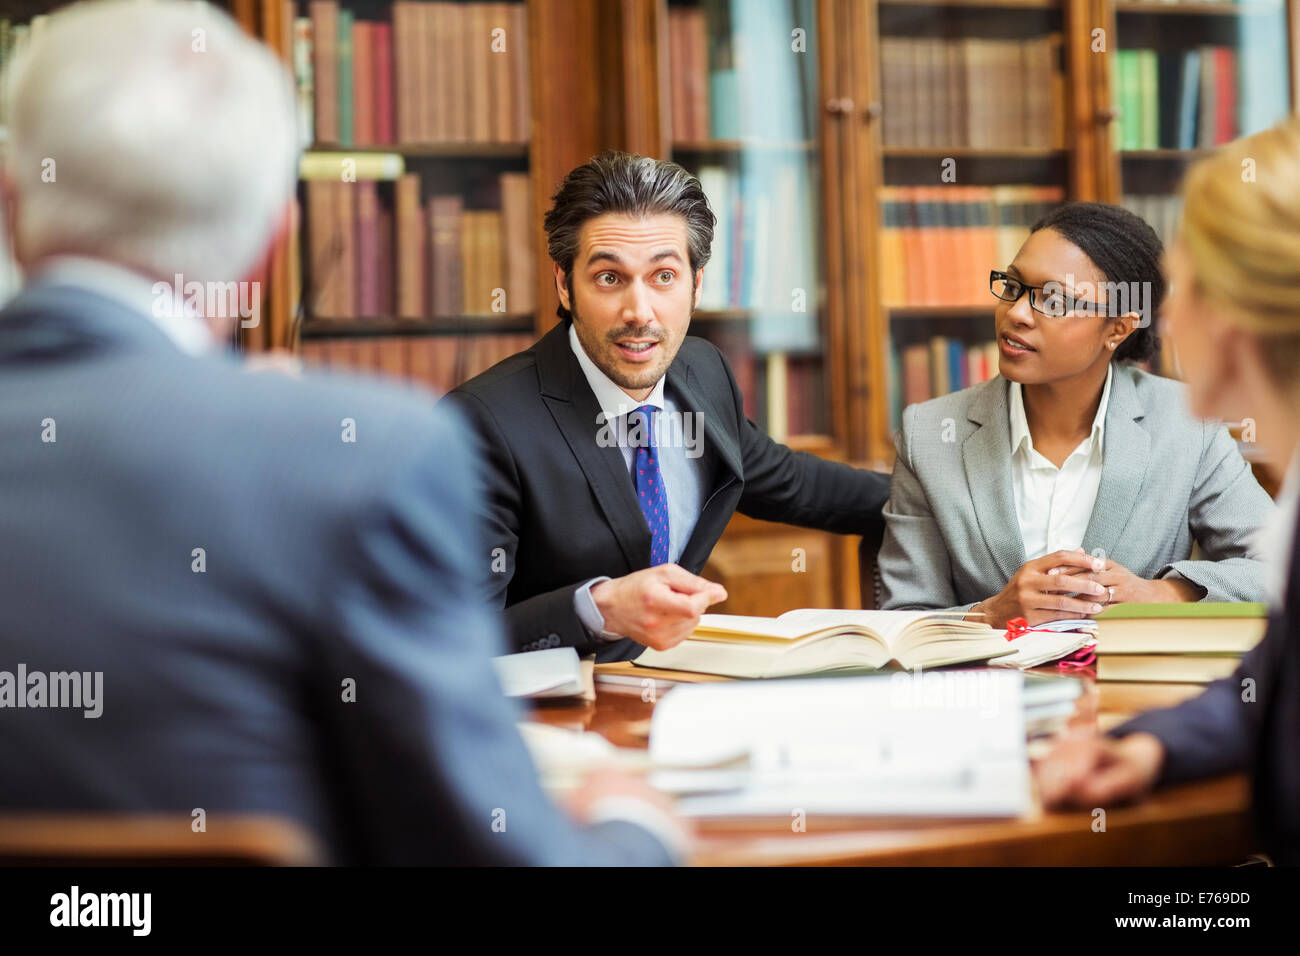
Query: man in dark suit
(617, 446)
(227, 591)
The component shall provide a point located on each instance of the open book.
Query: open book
(812, 640)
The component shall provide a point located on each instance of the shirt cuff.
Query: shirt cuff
(584, 605)
(644, 815)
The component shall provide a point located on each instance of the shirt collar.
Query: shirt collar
(133, 290)
(613, 401)
(1020, 437)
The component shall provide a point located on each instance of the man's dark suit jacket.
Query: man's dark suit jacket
(1249, 721)
(562, 508)
(323, 562)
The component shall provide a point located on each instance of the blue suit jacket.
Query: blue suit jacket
(325, 563)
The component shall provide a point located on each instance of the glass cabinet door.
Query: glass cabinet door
(1186, 77)
(743, 104)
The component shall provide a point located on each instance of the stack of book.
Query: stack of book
(939, 242)
(436, 73)
(1180, 99)
(929, 369)
(371, 256)
(439, 362)
(984, 93)
(1192, 643)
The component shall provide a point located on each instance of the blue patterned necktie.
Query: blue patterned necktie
(649, 483)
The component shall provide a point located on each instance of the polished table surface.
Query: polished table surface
(1199, 824)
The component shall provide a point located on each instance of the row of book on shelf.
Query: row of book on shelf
(1181, 99)
(723, 81)
(375, 253)
(763, 245)
(793, 388)
(939, 242)
(972, 92)
(926, 370)
(438, 362)
(436, 72)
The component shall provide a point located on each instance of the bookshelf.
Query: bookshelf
(856, 129)
(1183, 78)
(834, 147)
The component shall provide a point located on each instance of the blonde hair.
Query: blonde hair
(1241, 233)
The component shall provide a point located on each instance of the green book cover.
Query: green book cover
(1187, 609)
(1149, 88)
(1130, 100)
(345, 77)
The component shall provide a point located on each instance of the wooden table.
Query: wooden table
(1206, 823)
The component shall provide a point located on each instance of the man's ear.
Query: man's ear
(699, 286)
(561, 286)
(261, 266)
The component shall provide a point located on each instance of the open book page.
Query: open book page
(750, 627)
(890, 625)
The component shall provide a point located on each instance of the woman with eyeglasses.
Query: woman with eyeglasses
(1073, 479)
(1234, 318)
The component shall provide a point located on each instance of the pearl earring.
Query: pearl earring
(1111, 344)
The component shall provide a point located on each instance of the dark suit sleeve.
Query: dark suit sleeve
(1219, 731)
(544, 620)
(430, 760)
(1216, 732)
(801, 489)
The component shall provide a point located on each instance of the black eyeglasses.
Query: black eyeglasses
(1054, 304)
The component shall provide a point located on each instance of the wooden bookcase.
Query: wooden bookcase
(602, 75)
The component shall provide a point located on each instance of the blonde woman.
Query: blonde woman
(1233, 314)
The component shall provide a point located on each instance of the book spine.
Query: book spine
(382, 42)
(345, 103)
(325, 29)
(304, 84)
(446, 267)
(517, 229)
(368, 294)
(410, 248)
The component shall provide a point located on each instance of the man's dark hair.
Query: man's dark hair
(1126, 250)
(617, 182)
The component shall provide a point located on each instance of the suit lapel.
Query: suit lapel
(986, 455)
(1124, 466)
(717, 441)
(576, 413)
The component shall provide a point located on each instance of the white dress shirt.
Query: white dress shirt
(1054, 505)
(683, 476)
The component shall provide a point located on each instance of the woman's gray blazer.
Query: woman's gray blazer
(952, 537)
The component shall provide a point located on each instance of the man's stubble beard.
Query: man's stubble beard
(600, 350)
